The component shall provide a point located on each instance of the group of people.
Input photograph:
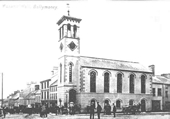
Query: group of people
(99, 109)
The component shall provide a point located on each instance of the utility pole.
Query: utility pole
(2, 91)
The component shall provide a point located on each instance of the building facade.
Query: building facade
(161, 93)
(45, 86)
(85, 79)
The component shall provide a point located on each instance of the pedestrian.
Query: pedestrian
(4, 111)
(92, 107)
(114, 110)
(99, 108)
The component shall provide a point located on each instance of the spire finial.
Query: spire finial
(68, 9)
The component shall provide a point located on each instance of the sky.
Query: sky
(122, 30)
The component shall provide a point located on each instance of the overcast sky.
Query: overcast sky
(126, 30)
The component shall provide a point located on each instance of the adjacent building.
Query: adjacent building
(161, 93)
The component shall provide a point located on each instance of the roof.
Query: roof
(160, 79)
(54, 83)
(113, 64)
(15, 96)
(32, 94)
(68, 18)
(45, 80)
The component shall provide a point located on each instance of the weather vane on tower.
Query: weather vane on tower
(68, 9)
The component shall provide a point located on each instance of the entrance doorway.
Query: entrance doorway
(143, 105)
(72, 95)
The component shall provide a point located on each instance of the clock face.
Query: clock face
(61, 46)
(72, 46)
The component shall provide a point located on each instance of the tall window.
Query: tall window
(131, 83)
(75, 30)
(143, 85)
(47, 84)
(42, 96)
(42, 85)
(119, 83)
(166, 94)
(106, 82)
(118, 104)
(47, 95)
(153, 91)
(70, 72)
(159, 91)
(92, 81)
(69, 27)
(60, 73)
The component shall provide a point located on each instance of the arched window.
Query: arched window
(131, 83)
(118, 105)
(106, 82)
(119, 83)
(92, 81)
(75, 30)
(70, 72)
(60, 73)
(143, 85)
(68, 27)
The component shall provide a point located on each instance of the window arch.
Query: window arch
(106, 82)
(118, 103)
(70, 71)
(143, 83)
(119, 83)
(92, 81)
(131, 83)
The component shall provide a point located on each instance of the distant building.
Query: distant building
(45, 86)
(161, 93)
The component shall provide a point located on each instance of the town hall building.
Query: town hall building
(83, 79)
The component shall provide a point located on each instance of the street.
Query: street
(155, 115)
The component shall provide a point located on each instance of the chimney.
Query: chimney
(36, 87)
(152, 68)
(167, 75)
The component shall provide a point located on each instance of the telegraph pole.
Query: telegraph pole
(2, 91)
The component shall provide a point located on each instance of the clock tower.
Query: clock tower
(69, 40)
(68, 62)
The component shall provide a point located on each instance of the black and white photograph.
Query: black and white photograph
(85, 59)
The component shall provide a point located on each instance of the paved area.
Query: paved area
(156, 115)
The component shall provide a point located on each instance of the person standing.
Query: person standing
(92, 107)
(99, 108)
(4, 111)
(114, 110)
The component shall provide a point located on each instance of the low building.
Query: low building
(161, 93)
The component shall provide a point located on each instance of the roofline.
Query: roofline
(99, 58)
(160, 83)
(117, 69)
(45, 80)
(54, 82)
(67, 17)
